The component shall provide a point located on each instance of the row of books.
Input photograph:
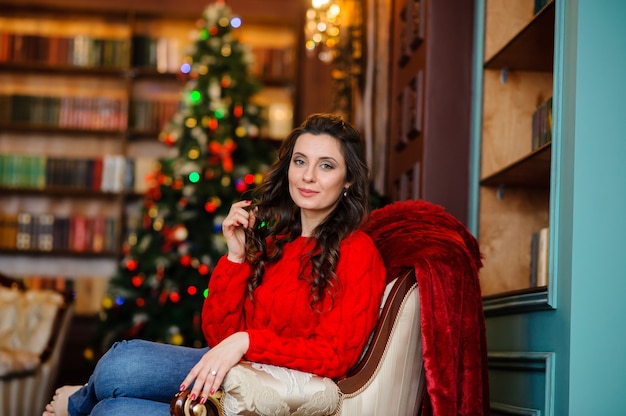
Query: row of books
(88, 292)
(110, 173)
(48, 232)
(539, 249)
(159, 53)
(542, 124)
(276, 63)
(162, 54)
(151, 115)
(93, 112)
(80, 50)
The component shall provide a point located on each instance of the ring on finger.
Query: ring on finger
(213, 373)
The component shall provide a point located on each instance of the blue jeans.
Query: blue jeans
(135, 378)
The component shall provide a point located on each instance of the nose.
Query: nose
(309, 174)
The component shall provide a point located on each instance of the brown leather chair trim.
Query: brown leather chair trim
(365, 370)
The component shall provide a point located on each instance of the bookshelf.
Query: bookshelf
(514, 192)
(430, 103)
(86, 91)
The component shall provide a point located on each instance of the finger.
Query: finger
(213, 382)
(186, 383)
(236, 217)
(198, 387)
(251, 219)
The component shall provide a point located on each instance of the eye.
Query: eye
(298, 161)
(326, 165)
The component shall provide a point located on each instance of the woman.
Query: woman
(299, 287)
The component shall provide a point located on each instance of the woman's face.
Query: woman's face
(317, 177)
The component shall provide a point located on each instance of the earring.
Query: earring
(345, 192)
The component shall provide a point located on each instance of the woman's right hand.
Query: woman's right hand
(239, 218)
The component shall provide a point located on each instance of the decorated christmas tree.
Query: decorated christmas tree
(158, 290)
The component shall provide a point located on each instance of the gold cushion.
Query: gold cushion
(17, 362)
(26, 325)
(262, 389)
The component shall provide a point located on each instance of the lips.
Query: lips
(307, 192)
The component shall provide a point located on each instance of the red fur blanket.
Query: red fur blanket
(446, 259)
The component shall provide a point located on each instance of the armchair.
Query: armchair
(427, 354)
(33, 329)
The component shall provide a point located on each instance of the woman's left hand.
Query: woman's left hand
(208, 374)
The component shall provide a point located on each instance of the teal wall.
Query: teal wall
(585, 336)
(598, 263)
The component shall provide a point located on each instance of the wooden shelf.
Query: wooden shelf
(56, 253)
(63, 70)
(60, 192)
(531, 171)
(515, 183)
(532, 49)
(52, 129)
(149, 73)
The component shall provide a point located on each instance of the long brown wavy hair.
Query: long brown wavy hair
(278, 217)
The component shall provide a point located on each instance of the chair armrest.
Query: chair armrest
(366, 368)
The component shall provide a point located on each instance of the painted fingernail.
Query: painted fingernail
(182, 387)
(202, 400)
(212, 391)
(193, 396)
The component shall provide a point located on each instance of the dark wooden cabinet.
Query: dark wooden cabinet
(431, 77)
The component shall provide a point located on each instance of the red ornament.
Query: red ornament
(192, 290)
(224, 151)
(210, 207)
(178, 184)
(249, 179)
(174, 297)
(163, 297)
(203, 269)
(238, 110)
(185, 260)
(140, 302)
(131, 264)
(136, 281)
(241, 187)
(169, 140)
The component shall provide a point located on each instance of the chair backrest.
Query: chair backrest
(389, 379)
(42, 321)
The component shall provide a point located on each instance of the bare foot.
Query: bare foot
(58, 405)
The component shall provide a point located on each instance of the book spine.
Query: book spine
(78, 233)
(542, 257)
(98, 234)
(534, 246)
(44, 231)
(24, 231)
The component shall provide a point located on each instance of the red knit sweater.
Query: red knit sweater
(283, 328)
